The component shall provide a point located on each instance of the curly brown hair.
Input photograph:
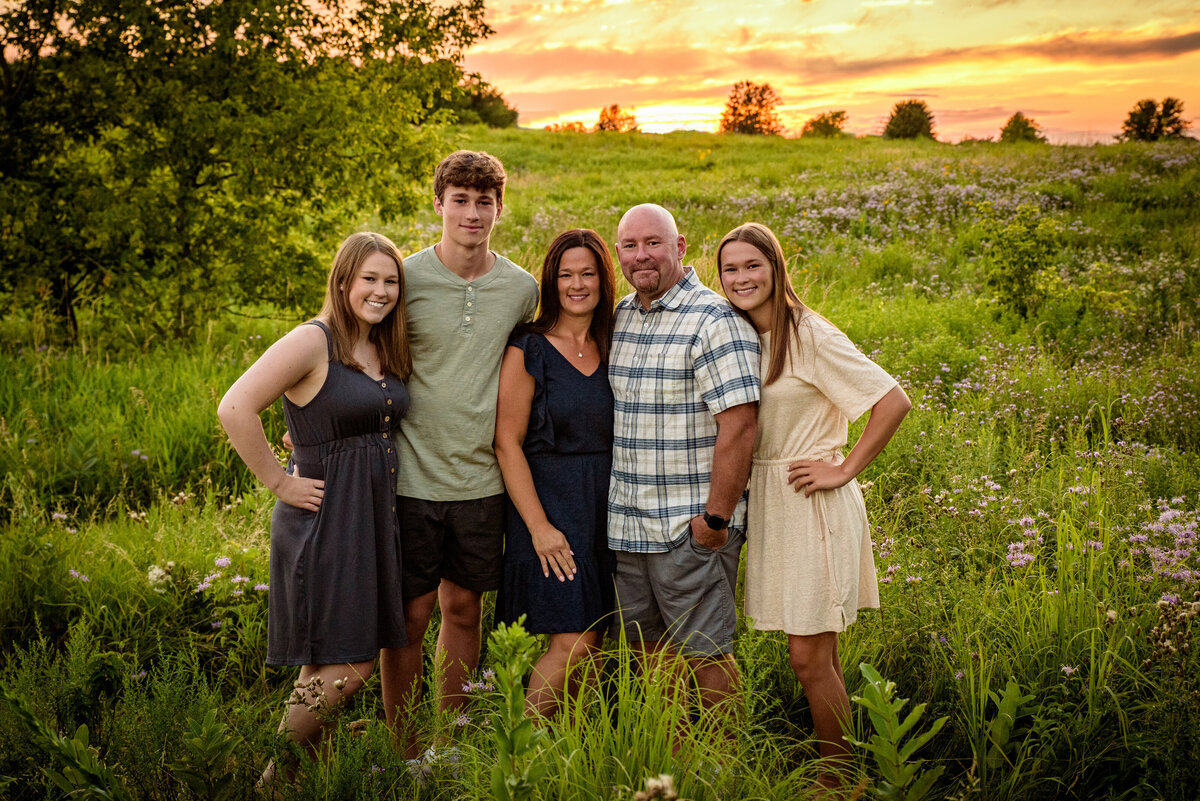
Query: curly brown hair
(471, 169)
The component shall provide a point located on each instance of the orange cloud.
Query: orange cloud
(976, 60)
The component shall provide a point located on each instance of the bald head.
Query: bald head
(649, 212)
(650, 250)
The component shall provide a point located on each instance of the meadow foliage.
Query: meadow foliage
(1036, 518)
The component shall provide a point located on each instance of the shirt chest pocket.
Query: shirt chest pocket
(669, 379)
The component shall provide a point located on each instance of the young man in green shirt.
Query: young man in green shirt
(462, 301)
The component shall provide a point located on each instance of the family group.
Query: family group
(457, 429)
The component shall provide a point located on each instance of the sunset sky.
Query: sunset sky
(1076, 66)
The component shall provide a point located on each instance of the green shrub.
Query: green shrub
(1021, 248)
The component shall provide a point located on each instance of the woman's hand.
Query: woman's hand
(303, 493)
(554, 553)
(885, 418)
(811, 476)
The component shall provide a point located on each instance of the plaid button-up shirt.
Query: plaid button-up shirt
(672, 367)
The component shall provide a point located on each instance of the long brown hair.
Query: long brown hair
(390, 335)
(549, 308)
(786, 307)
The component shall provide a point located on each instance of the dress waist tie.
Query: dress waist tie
(833, 457)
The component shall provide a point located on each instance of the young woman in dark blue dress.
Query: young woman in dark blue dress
(554, 445)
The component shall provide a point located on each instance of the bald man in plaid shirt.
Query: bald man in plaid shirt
(684, 374)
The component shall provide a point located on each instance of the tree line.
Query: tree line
(752, 108)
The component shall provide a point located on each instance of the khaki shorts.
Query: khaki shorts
(462, 541)
(684, 597)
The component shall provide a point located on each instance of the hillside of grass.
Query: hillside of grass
(1035, 519)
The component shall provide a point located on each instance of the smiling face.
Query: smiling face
(468, 215)
(650, 250)
(578, 282)
(746, 277)
(375, 289)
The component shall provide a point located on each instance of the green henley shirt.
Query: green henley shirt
(458, 331)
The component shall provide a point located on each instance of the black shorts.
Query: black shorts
(462, 541)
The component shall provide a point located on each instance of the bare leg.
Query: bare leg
(717, 677)
(548, 684)
(837, 663)
(400, 672)
(319, 690)
(458, 642)
(815, 662)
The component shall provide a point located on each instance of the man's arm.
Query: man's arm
(736, 427)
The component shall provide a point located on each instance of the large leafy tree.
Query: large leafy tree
(910, 119)
(750, 109)
(826, 124)
(1147, 121)
(1020, 128)
(161, 160)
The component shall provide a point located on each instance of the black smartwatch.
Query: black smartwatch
(715, 522)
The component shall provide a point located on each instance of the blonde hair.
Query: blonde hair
(390, 335)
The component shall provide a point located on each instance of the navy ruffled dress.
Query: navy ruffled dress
(569, 449)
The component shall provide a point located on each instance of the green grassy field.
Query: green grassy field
(1036, 517)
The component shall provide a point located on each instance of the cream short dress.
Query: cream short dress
(809, 566)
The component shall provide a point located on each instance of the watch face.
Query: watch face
(715, 522)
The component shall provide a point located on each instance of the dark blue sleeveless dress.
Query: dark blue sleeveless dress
(335, 573)
(569, 449)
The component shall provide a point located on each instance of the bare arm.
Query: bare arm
(886, 415)
(736, 427)
(512, 423)
(294, 363)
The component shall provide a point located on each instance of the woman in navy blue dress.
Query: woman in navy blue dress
(554, 445)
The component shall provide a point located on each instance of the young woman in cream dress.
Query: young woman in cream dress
(809, 567)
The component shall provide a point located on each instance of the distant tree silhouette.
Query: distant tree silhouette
(1020, 128)
(826, 124)
(567, 127)
(480, 102)
(750, 109)
(1149, 122)
(910, 119)
(612, 118)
